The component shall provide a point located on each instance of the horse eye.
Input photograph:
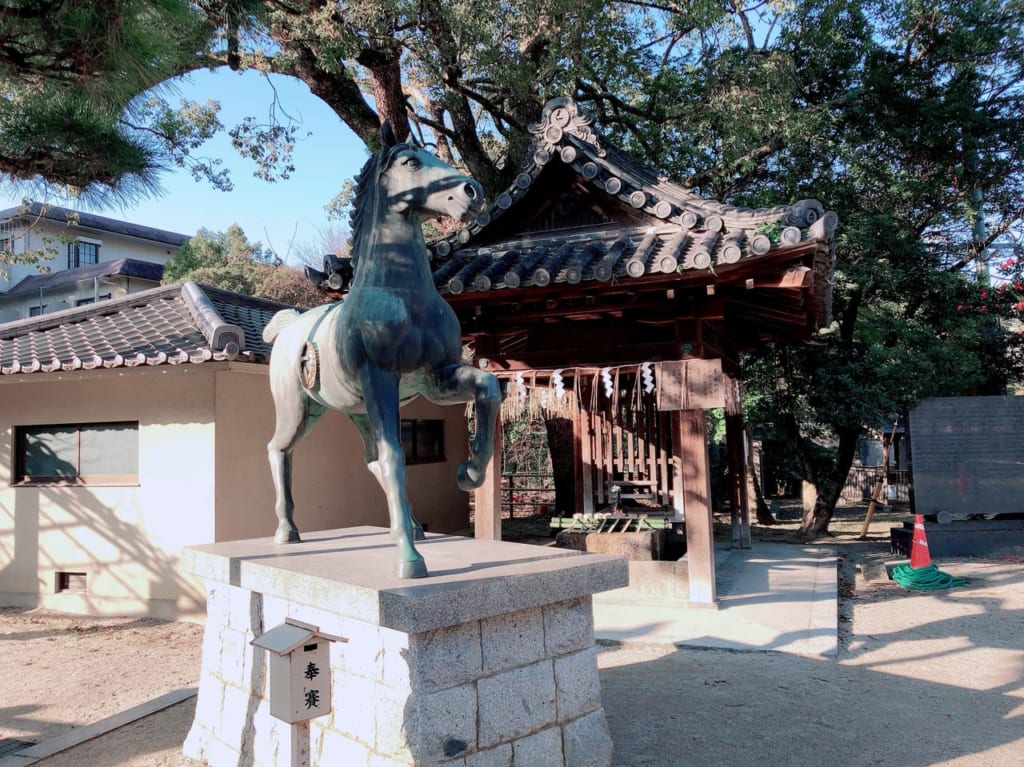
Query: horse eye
(414, 163)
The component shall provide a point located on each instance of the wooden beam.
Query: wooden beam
(794, 278)
(539, 359)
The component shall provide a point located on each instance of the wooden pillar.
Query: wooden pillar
(487, 497)
(577, 461)
(584, 459)
(755, 467)
(694, 480)
(678, 464)
(736, 456)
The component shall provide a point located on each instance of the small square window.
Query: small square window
(423, 440)
(71, 582)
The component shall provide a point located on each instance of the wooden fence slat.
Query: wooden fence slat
(664, 444)
(608, 467)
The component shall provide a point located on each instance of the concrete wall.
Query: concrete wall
(203, 477)
(332, 486)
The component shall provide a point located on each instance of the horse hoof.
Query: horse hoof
(469, 477)
(413, 568)
(287, 535)
(417, 532)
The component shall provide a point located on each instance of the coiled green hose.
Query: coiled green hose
(928, 578)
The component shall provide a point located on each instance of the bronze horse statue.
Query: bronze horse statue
(389, 340)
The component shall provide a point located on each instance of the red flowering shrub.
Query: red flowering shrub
(1005, 296)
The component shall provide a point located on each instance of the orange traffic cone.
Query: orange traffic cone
(919, 556)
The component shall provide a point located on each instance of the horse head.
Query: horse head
(415, 181)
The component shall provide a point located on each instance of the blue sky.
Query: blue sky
(280, 215)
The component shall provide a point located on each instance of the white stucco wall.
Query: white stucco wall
(126, 539)
(53, 238)
(17, 307)
(203, 477)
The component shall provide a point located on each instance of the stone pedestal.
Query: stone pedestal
(489, 662)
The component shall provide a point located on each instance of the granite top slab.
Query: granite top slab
(351, 572)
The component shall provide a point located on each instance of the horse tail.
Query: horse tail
(279, 322)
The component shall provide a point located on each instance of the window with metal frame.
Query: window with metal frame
(91, 300)
(423, 440)
(8, 234)
(82, 254)
(78, 454)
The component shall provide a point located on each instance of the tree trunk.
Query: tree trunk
(829, 482)
(762, 512)
(562, 445)
(336, 89)
(385, 68)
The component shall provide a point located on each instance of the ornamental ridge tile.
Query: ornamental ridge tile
(686, 233)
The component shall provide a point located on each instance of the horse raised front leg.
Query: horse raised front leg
(380, 393)
(295, 417)
(462, 383)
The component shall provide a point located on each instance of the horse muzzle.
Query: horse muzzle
(473, 196)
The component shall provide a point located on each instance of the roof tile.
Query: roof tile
(687, 233)
(154, 327)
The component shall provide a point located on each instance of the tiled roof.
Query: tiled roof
(81, 220)
(184, 323)
(674, 231)
(124, 267)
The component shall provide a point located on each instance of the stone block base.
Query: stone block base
(490, 662)
(643, 546)
(963, 537)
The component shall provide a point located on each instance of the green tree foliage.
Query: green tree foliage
(916, 140)
(228, 260)
(72, 74)
(903, 116)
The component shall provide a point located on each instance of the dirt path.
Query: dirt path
(921, 679)
(64, 670)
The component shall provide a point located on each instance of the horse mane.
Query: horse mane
(366, 202)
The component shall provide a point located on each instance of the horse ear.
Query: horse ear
(387, 135)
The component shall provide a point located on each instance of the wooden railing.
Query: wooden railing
(527, 494)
